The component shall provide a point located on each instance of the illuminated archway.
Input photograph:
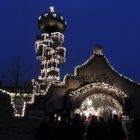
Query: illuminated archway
(100, 104)
(102, 97)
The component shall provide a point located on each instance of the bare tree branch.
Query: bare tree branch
(16, 72)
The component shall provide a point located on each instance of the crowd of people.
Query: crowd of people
(83, 128)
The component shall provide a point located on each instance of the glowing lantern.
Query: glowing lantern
(40, 52)
(58, 36)
(61, 52)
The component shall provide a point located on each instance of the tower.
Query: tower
(48, 46)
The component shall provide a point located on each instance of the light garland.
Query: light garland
(126, 78)
(18, 105)
(19, 101)
(92, 86)
(91, 58)
(51, 53)
(107, 103)
(29, 99)
(25, 99)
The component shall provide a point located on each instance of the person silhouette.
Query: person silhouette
(116, 129)
(45, 131)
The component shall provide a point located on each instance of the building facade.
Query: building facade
(94, 88)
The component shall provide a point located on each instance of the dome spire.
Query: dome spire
(51, 21)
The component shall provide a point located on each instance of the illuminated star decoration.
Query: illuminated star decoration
(51, 8)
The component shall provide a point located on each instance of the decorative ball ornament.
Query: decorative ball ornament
(98, 49)
(51, 22)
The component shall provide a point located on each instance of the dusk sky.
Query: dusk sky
(115, 24)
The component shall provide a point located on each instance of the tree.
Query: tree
(16, 72)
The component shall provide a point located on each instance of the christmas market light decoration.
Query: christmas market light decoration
(51, 53)
(48, 46)
(19, 101)
(19, 110)
(98, 52)
(97, 85)
(105, 102)
(50, 50)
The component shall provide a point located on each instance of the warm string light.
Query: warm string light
(132, 81)
(19, 101)
(91, 58)
(29, 98)
(107, 103)
(18, 105)
(104, 97)
(86, 88)
(46, 43)
(92, 86)
(51, 53)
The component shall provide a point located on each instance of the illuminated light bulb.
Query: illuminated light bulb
(51, 8)
(89, 102)
(59, 118)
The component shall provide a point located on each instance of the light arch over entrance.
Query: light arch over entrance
(98, 86)
(100, 104)
(106, 95)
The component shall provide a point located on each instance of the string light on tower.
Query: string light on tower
(50, 50)
(51, 53)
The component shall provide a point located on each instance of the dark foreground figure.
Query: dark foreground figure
(78, 129)
(45, 130)
(136, 128)
(116, 129)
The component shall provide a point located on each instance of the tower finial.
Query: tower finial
(51, 8)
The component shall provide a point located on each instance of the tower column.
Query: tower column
(49, 47)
